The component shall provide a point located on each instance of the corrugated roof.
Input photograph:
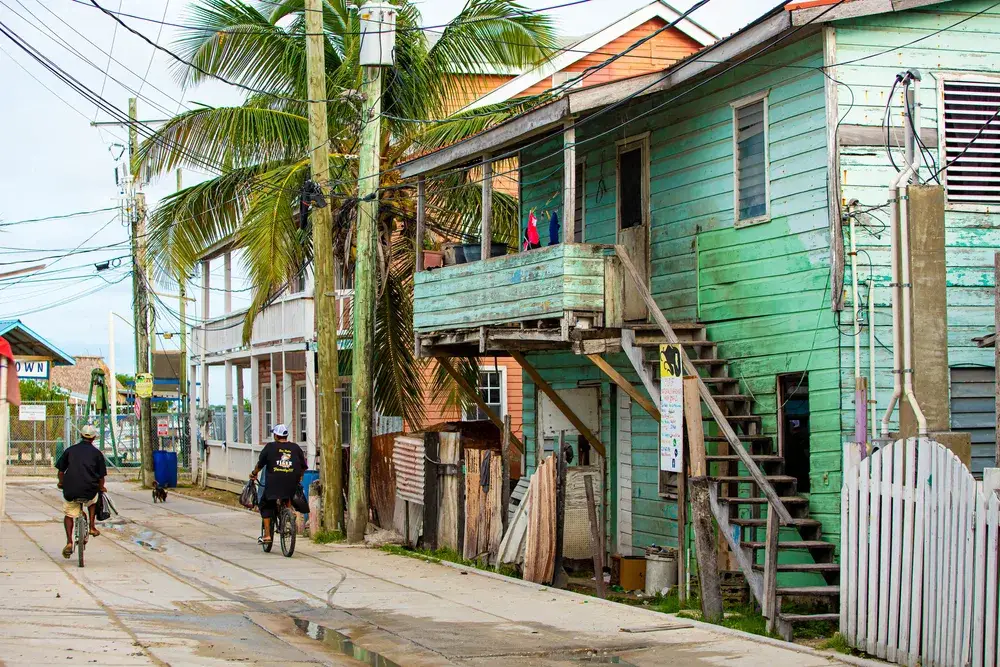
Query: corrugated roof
(26, 343)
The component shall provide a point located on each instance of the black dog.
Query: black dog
(159, 493)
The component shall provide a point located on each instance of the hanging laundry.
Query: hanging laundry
(554, 229)
(531, 239)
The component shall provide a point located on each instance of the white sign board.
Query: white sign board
(162, 426)
(671, 409)
(32, 369)
(31, 413)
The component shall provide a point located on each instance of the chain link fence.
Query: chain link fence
(38, 432)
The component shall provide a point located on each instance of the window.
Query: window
(750, 153)
(491, 390)
(301, 412)
(970, 106)
(581, 197)
(633, 183)
(345, 413)
(265, 397)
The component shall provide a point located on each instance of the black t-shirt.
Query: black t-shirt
(284, 463)
(83, 467)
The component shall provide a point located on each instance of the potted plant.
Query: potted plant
(433, 258)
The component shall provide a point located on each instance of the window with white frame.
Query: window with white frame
(491, 390)
(750, 155)
(300, 400)
(971, 141)
(267, 410)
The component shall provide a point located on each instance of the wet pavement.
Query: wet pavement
(184, 583)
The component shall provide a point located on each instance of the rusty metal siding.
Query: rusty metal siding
(408, 459)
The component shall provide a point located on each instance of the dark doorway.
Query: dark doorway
(793, 426)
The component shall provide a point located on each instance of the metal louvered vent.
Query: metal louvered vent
(969, 106)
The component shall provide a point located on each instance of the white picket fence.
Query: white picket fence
(919, 573)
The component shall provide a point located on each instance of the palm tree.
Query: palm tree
(259, 150)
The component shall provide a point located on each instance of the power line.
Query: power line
(111, 50)
(58, 217)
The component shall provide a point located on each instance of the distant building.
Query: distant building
(34, 356)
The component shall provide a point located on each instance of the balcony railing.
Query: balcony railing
(288, 319)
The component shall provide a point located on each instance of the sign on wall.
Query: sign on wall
(31, 413)
(671, 409)
(32, 369)
(163, 426)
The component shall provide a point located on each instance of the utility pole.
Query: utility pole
(377, 33)
(325, 296)
(140, 299)
(182, 388)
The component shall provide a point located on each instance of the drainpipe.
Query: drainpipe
(872, 400)
(901, 288)
(910, 94)
(860, 392)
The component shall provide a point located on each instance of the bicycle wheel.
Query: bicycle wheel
(266, 546)
(82, 530)
(287, 525)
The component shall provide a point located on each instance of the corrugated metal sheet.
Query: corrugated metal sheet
(973, 409)
(408, 459)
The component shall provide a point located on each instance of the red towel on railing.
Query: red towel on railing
(13, 388)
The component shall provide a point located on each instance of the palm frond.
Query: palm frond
(225, 138)
(398, 381)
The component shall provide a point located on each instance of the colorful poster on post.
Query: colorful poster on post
(671, 409)
(144, 385)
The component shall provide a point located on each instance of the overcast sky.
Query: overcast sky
(55, 163)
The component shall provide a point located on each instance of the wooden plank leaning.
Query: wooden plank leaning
(727, 430)
(474, 395)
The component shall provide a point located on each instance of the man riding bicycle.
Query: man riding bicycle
(283, 463)
(81, 476)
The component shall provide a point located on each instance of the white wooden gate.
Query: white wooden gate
(919, 574)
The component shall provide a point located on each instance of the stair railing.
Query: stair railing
(777, 515)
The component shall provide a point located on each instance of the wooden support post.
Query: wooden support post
(559, 578)
(505, 467)
(476, 398)
(432, 481)
(557, 400)
(421, 222)
(625, 385)
(720, 418)
(769, 605)
(486, 235)
(569, 183)
(595, 535)
(701, 509)
(682, 523)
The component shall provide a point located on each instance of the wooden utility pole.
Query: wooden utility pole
(369, 162)
(325, 294)
(140, 298)
(182, 389)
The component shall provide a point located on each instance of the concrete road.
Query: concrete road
(184, 583)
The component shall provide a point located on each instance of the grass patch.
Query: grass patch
(451, 556)
(328, 537)
(837, 643)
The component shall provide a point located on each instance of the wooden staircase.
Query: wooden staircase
(743, 505)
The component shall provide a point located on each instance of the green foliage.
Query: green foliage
(32, 390)
(328, 537)
(124, 379)
(839, 644)
(260, 151)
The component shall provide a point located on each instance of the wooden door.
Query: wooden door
(633, 218)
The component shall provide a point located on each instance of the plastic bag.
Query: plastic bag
(104, 507)
(248, 496)
(299, 502)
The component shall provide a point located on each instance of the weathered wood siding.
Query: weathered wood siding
(763, 290)
(530, 285)
(971, 46)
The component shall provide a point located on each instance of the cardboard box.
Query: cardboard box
(629, 572)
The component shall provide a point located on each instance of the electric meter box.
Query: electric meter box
(378, 34)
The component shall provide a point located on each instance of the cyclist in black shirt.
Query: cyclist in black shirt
(283, 463)
(81, 476)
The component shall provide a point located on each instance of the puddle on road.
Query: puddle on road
(149, 540)
(341, 642)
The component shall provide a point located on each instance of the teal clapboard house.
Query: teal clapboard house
(723, 188)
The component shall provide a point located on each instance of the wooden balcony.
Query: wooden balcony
(574, 285)
(291, 318)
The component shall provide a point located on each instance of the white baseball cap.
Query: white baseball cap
(280, 430)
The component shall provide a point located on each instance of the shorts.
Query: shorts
(72, 508)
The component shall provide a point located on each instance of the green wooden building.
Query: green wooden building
(729, 180)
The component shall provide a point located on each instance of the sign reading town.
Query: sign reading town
(32, 369)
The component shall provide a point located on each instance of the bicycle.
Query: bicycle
(286, 530)
(81, 528)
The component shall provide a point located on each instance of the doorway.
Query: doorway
(633, 218)
(793, 426)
